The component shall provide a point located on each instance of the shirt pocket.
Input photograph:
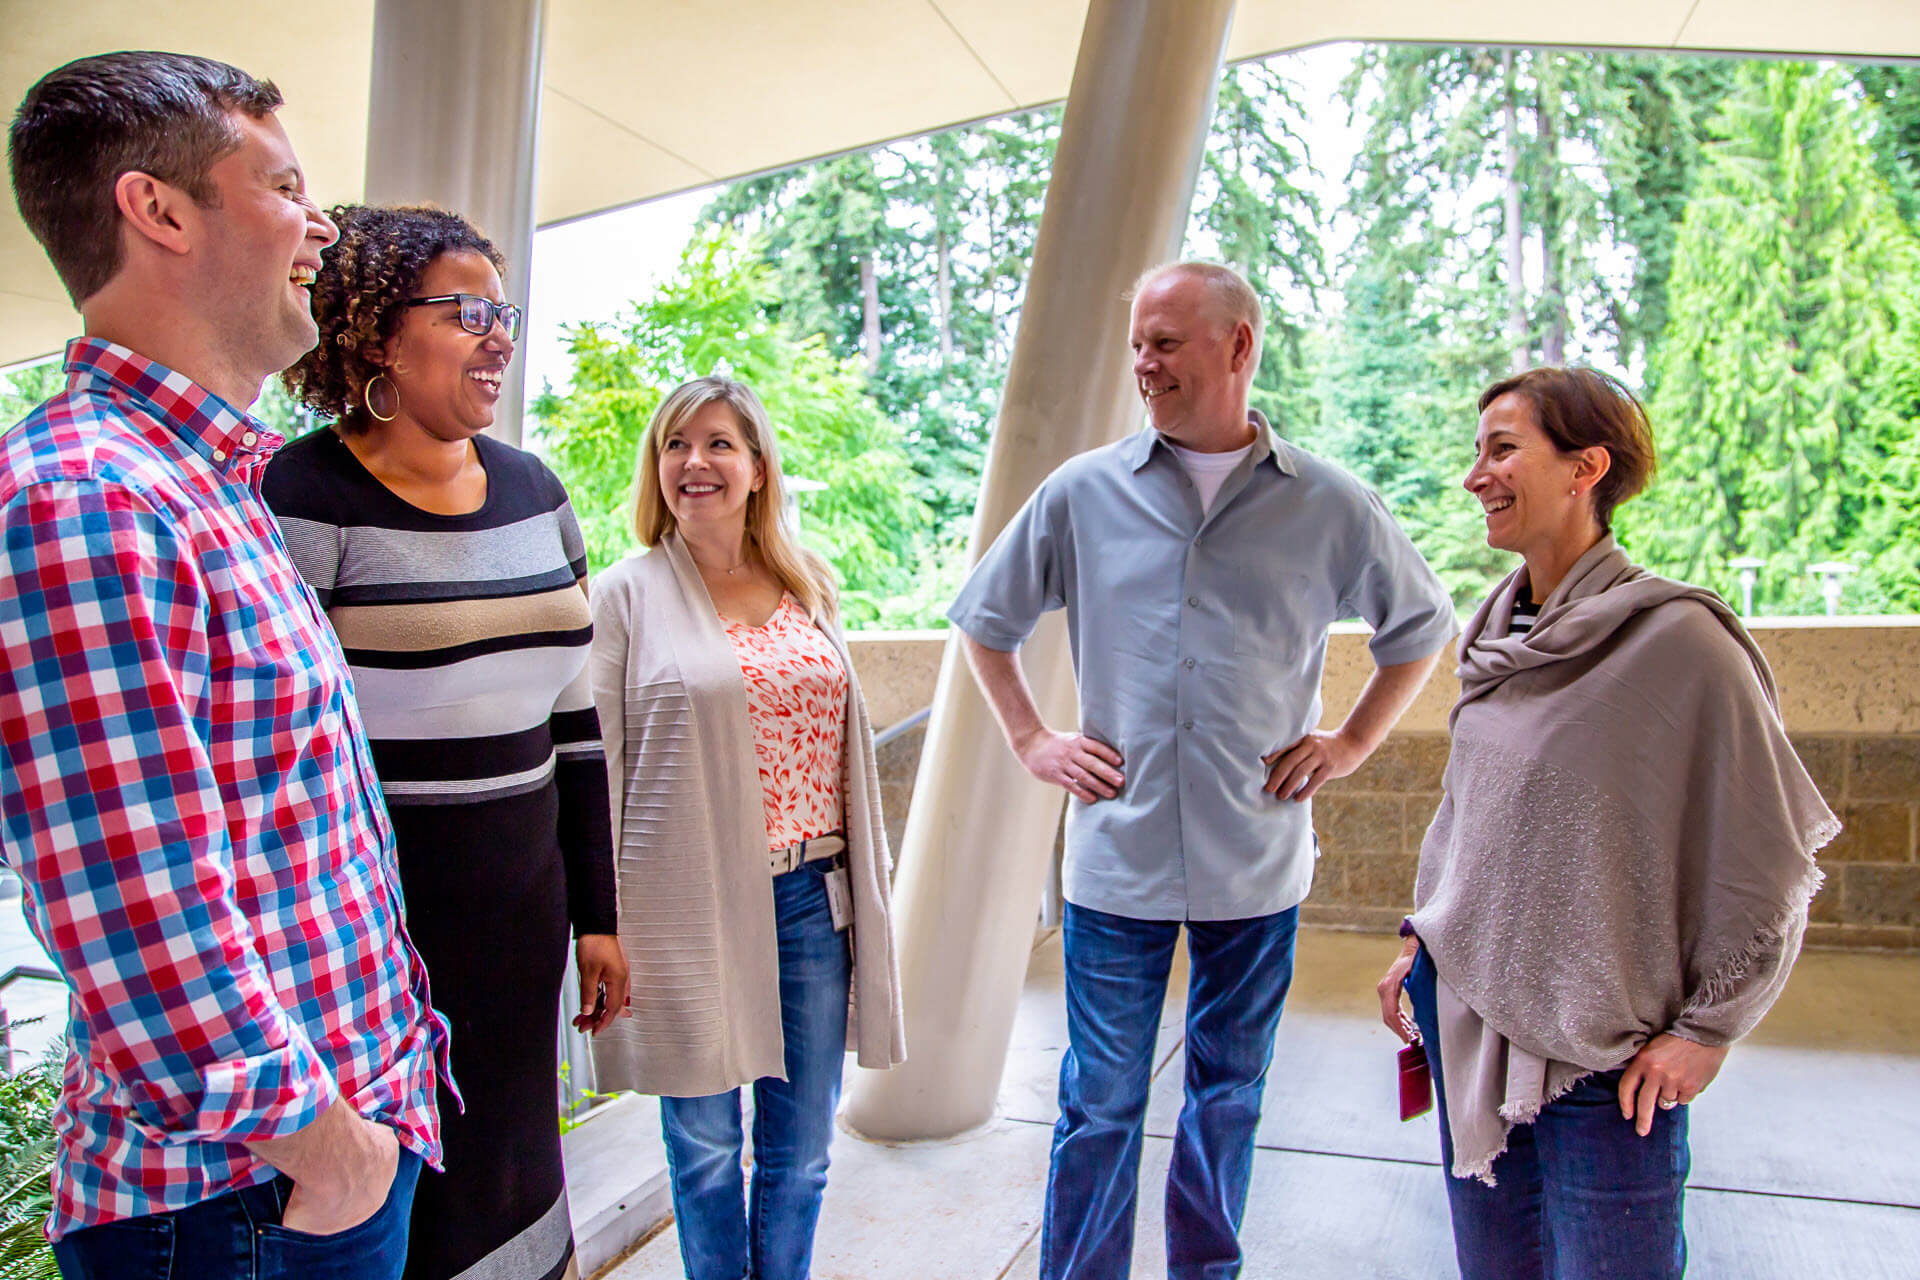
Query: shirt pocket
(1281, 621)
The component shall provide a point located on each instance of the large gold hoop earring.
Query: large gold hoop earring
(366, 398)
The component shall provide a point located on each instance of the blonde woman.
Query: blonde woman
(752, 861)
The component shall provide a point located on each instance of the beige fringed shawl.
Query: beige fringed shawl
(690, 832)
(1625, 845)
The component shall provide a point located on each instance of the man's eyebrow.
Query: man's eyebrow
(287, 171)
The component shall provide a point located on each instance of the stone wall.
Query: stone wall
(1849, 690)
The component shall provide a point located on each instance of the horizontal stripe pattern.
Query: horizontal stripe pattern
(467, 635)
(544, 1251)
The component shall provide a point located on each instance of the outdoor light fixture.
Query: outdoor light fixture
(797, 485)
(1833, 576)
(1749, 568)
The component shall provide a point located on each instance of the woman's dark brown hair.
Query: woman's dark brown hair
(1579, 408)
(366, 277)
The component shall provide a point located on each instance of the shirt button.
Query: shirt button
(248, 438)
(1187, 725)
(1189, 664)
(1193, 602)
(219, 455)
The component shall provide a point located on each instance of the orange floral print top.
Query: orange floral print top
(797, 701)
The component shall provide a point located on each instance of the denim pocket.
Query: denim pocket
(370, 1250)
(131, 1249)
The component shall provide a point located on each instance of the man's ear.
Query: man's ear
(158, 212)
(1242, 345)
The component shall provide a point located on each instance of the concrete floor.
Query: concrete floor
(1803, 1151)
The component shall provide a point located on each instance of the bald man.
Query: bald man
(1200, 562)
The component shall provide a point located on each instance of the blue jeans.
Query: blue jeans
(1580, 1195)
(723, 1236)
(1238, 975)
(238, 1236)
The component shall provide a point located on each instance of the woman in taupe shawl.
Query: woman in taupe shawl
(1617, 880)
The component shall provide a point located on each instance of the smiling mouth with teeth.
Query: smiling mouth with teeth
(1498, 504)
(304, 276)
(489, 378)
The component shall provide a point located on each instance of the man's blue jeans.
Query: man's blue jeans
(722, 1235)
(1579, 1194)
(1239, 972)
(238, 1236)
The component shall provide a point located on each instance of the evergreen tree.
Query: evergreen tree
(1774, 413)
(1253, 210)
(1896, 136)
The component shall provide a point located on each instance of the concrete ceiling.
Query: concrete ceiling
(646, 97)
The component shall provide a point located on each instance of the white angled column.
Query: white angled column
(453, 120)
(980, 831)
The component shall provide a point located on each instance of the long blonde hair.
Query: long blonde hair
(769, 530)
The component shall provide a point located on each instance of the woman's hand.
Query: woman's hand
(602, 963)
(1391, 1011)
(1669, 1071)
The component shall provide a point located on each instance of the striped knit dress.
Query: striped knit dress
(468, 638)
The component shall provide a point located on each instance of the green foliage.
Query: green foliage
(24, 388)
(27, 1099)
(715, 317)
(1738, 255)
(1781, 392)
(1895, 91)
(1252, 211)
(913, 258)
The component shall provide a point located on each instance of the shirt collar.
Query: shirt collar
(1266, 444)
(223, 435)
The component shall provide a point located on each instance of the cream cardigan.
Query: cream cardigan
(696, 901)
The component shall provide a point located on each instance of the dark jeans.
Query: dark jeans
(238, 1236)
(1580, 1195)
(722, 1235)
(1238, 975)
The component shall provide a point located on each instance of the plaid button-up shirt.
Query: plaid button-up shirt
(187, 792)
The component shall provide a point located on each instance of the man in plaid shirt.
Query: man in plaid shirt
(185, 787)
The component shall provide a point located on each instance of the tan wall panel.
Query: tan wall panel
(320, 65)
(1267, 26)
(1860, 26)
(589, 162)
(734, 88)
(1840, 676)
(1029, 46)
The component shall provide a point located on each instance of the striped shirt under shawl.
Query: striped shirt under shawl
(467, 637)
(1525, 614)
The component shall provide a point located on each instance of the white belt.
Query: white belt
(800, 851)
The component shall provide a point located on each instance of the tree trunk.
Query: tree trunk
(1515, 238)
(1553, 289)
(943, 288)
(870, 307)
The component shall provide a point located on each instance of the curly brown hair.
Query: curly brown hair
(365, 280)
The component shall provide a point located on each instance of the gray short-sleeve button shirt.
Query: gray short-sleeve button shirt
(1197, 655)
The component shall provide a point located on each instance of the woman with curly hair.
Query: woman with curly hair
(452, 569)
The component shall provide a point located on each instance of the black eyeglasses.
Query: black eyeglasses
(477, 314)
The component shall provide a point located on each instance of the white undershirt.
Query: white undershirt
(1209, 470)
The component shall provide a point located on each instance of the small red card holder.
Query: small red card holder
(1416, 1082)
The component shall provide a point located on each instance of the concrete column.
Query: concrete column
(453, 120)
(978, 838)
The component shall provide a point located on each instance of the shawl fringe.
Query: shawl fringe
(1726, 980)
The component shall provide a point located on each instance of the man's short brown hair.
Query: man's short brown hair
(1579, 408)
(168, 115)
